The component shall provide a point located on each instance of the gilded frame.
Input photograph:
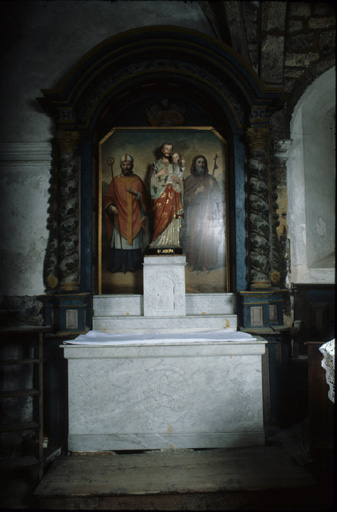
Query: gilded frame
(143, 144)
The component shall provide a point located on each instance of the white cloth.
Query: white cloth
(328, 363)
(130, 338)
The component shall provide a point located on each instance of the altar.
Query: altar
(165, 393)
(173, 378)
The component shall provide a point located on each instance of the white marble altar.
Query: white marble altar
(164, 370)
(162, 394)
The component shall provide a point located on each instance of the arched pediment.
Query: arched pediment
(137, 61)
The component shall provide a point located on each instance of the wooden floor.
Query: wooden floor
(258, 478)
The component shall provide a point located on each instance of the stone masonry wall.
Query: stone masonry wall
(310, 38)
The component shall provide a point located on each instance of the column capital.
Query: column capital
(67, 140)
(258, 137)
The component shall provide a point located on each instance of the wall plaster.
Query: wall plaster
(311, 184)
(25, 24)
(24, 184)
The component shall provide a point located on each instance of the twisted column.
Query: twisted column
(279, 249)
(50, 270)
(68, 214)
(258, 209)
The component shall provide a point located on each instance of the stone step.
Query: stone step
(128, 323)
(196, 304)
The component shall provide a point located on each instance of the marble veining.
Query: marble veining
(195, 398)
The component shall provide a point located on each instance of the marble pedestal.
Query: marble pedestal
(165, 395)
(164, 286)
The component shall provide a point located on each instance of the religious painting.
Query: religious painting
(162, 191)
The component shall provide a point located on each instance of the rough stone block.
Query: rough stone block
(271, 64)
(301, 59)
(324, 9)
(295, 26)
(289, 84)
(273, 15)
(300, 9)
(301, 42)
(292, 72)
(250, 11)
(327, 42)
(318, 23)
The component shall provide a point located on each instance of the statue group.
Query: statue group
(186, 214)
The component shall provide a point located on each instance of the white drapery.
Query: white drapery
(328, 363)
(101, 338)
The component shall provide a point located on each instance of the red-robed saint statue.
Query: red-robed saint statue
(167, 201)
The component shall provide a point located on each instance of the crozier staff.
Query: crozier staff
(125, 206)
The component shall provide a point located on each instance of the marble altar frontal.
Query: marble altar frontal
(165, 393)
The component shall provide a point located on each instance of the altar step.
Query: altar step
(196, 304)
(117, 324)
(125, 313)
(257, 478)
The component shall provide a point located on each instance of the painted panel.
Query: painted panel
(204, 225)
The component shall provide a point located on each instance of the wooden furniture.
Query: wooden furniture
(31, 335)
(314, 306)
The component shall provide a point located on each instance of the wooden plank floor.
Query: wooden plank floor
(178, 480)
(246, 479)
